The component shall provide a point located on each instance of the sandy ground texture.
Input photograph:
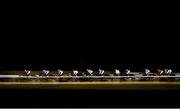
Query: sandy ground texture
(93, 85)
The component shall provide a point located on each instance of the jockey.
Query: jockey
(127, 71)
(46, 72)
(90, 72)
(117, 72)
(27, 72)
(101, 72)
(60, 72)
(168, 71)
(160, 72)
(75, 73)
(147, 71)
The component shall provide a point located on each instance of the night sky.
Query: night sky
(79, 57)
(89, 45)
(87, 52)
(90, 52)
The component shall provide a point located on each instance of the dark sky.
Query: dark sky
(89, 51)
(84, 55)
(81, 43)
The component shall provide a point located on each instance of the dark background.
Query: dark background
(131, 38)
(68, 37)
(88, 48)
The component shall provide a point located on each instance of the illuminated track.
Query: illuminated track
(44, 82)
(93, 85)
(31, 77)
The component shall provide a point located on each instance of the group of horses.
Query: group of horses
(102, 73)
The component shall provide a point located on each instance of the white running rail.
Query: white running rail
(109, 77)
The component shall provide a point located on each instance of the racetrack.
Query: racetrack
(34, 83)
(93, 85)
